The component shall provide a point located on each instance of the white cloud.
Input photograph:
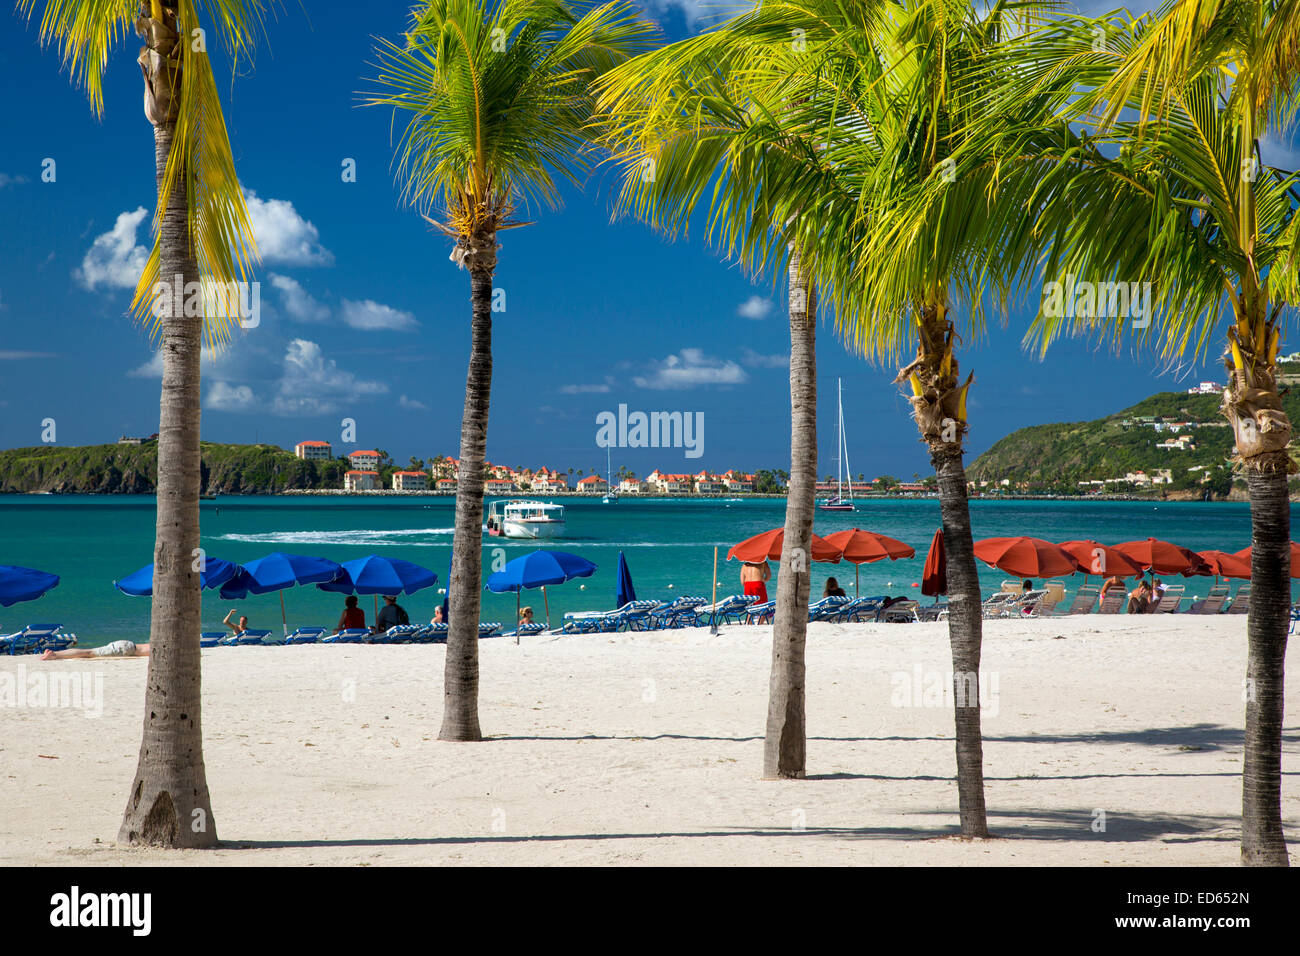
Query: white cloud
(283, 235)
(297, 301)
(114, 259)
(583, 389)
(690, 368)
(411, 403)
(757, 360)
(315, 385)
(369, 315)
(224, 397)
(755, 307)
(10, 356)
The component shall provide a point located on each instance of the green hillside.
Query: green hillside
(1057, 457)
(133, 469)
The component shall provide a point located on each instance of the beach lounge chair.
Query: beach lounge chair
(397, 634)
(350, 635)
(1241, 602)
(860, 609)
(1113, 601)
(1212, 603)
(680, 613)
(826, 608)
(932, 612)
(254, 635)
(1026, 604)
(730, 610)
(489, 629)
(306, 635)
(900, 612)
(997, 603)
(1295, 616)
(211, 638)
(1011, 586)
(1045, 606)
(760, 613)
(1170, 599)
(1083, 602)
(632, 616)
(526, 630)
(35, 638)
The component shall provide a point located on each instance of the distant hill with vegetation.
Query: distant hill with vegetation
(133, 469)
(1056, 458)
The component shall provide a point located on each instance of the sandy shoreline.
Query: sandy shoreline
(647, 748)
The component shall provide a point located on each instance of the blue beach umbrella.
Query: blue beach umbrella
(215, 573)
(377, 575)
(537, 570)
(278, 571)
(24, 584)
(624, 593)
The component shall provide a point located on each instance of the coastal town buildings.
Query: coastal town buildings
(366, 460)
(593, 485)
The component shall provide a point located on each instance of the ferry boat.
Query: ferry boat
(838, 502)
(522, 518)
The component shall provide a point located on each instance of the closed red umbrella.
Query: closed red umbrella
(862, 547)
(1244, 553)
(1221, 565)
(934, 576)
(767, 546)
(1026, 557)
(1096, 558)
(1160, 557)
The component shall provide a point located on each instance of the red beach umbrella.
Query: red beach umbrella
(934, 576)
(1026, 557)
(1221, 565)
(1096, 558)
(767, 546)
(1244, 554)
(1160, 557)
(862, 547)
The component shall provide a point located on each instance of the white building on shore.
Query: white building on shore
(360, 480)
(314, 451)
(410, 481)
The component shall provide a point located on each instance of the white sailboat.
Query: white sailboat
(611, 495)
(839, 502)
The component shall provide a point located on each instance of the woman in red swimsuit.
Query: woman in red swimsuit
(353, 616)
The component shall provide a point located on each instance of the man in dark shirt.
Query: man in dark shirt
(390, 614)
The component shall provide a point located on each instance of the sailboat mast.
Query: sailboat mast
(844, 442)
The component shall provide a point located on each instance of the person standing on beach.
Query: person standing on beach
(753, 579)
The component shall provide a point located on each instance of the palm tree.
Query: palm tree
(1188, 207)
(201, 234)
(726, 114)
(498, 94)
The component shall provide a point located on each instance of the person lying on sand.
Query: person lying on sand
(116, 649)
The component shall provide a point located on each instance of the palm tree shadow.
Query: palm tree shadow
(1061, 825)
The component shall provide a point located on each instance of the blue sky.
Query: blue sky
(364, 317)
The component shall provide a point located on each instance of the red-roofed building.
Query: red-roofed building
(707, 484)
(360, 480)
(545, 480)
(313, 450)
(365, 460)
(410, 481)
(738, 481)
(669, 484)
(446, 484)
(499, 486)
(593, 485)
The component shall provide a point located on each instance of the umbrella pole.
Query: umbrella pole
(857, 572)
(547, 603)
(713, 616)
(284, 620)
(516, 615)
(376, 610)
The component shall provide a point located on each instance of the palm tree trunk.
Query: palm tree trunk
(785, 745)
(939, 407)
(965, 634)
(169, 804)
(460, 674)
(1262, 840)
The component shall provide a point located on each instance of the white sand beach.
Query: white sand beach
(1109, 740)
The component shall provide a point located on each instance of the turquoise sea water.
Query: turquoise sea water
(92, 540)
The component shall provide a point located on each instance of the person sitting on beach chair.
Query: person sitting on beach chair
(1139, 599)
(115, 649)
(525, 615)
(833, 589)
(437, 616)
(352, 618)
(238, 628)
(390, 615)
(1115, 581)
